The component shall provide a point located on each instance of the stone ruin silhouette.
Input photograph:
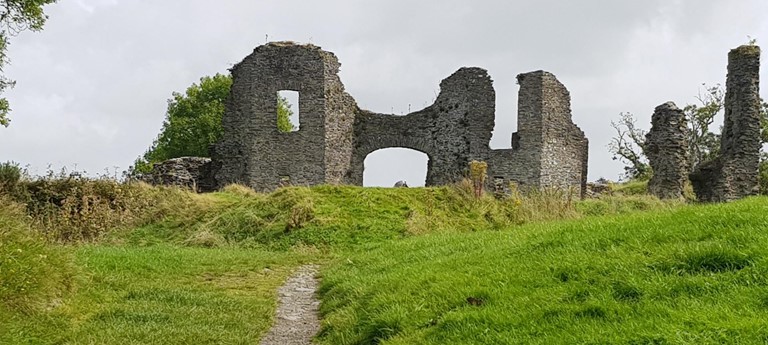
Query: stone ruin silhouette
(548, 150)
(335, 135)
(733, 174)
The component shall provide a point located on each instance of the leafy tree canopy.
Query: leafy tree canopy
(15, 17)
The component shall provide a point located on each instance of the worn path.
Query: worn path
(297, 321)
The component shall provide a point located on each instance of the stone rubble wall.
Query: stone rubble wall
(666, 148)
(190, 172)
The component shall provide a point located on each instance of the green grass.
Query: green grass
(32, 272)
(410, 266)
(161, 295)
(334, 218)
(693, 275)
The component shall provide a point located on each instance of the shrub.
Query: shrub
(75, 208)
(477, 173)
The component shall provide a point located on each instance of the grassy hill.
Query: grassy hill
(136, 264)
(694, 275)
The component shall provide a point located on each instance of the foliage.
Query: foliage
(193, 122)
(284, 113)
(72, 208)
(703, 144)
(10, 175)
(477, 173)
(690, 275)
(629, 146)
(16, 16)
(763, 173)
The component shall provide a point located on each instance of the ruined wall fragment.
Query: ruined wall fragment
(254, 152)
(191, 172)
(666, 148)
(453, 131)
(549, 150)
(734, 173)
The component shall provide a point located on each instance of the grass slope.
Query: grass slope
(163, 266)
(335, 218)
(694, 275)
(162, 295)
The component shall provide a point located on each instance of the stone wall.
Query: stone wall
(190, 172)
(254, 152)
(548, 149)
(335, 135)
(666, 148)
(734, 173)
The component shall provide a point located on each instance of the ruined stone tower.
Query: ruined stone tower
(734, 173)
(254, 152)
(335, 135)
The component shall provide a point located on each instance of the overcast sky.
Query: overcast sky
(93, 85)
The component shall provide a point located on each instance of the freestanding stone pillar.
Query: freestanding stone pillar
(666, 147)
(734, 173)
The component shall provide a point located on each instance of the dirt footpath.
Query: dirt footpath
(297, 321)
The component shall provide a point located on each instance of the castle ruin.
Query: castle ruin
(335, 135)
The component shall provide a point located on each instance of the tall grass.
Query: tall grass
(32, 273)
(73, 208)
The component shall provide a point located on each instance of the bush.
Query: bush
(10, 178)
(74, 208)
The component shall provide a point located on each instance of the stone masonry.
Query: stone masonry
(666, 148)
(191, 172)
(734, 173)
(335, 135)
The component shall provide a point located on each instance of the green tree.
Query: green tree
(703, 144)
(193, 122)
(284, 113)
(15, 17)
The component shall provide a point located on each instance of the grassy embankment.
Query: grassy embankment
(152, 265)
(693, 275)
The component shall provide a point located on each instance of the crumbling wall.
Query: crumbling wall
(190, 172)
(452, 132)
(734, 173)
(666, 147)
(548, 149)
(335, 135)
(254, 152)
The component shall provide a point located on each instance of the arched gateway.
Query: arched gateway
(335, 135)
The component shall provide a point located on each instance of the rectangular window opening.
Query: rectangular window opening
(288, 111)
